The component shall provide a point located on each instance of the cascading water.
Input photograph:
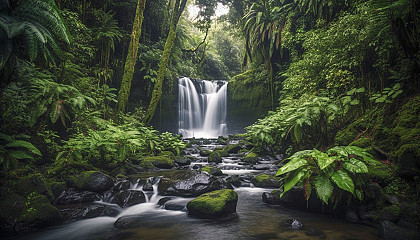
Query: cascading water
(202, 108)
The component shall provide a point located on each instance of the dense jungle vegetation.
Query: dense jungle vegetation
(335, 82)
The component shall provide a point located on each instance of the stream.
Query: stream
(254, 219)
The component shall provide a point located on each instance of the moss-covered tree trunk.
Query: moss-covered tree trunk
(157, 89)
(130, 61)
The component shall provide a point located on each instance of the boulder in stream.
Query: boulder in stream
(251, 158)
(214, 204)
(188, 183)
(212, 170)
(265, 181)
(94, 181)
(72, 197)
(129, 198)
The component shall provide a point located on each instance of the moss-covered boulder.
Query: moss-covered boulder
(215, 157)
(94, 181)
(233, 148)
(408, 157)
(34, 183)
(212, 170)
(251, 158)
(57, 188)
(188, 183)
(11, 207)
(39, 213)
(265, 181)
(214, 204)
(162, 162)
(204, 152)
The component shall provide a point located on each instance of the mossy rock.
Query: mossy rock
(34, 183)
(408, 157)
(168, 154)
(215, 157)
(94, 181)
(214, 204)
(11, 207)
(251, 158)
(162, 162)
(39, 213)
(204, 152)
(233, 148)
(212, 171)
(57, 188)
(390, 213)
(265, 181)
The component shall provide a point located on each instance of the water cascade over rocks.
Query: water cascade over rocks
(202, 108)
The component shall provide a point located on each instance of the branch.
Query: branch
(198, 46)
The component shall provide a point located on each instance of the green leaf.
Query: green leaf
(18, 154)
(355, 166)
(322, 159)
(24, 144)
(360, 90)
(324, 188)
(293, 164)
(358, 151)
(354, 102)
(289, 183)
(359, 194)
(343, 180)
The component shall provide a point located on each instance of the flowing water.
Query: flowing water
(254, 219)
(202, 108)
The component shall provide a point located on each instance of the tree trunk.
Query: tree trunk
(157, 89)
(130, 61)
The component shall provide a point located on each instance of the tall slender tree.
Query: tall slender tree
(130, 61)
(157, 89)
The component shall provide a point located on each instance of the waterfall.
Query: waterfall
(202, 108)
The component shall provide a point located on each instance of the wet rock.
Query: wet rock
(188, 183)
(351, 215)
(94, 181)
(390, 231)
(212, 171)
(72, 197)
(34, 183)
(265, 181)
(129, 198)
(162, 162)
(128, 222)
(294, 224)
(40, 215)
(272, 198)
(121, 185)
(392, 199)
(205, 152)
(214, 204)
(234, 148)
(389, 213)
(91, 211)
(57, 188)
(215, 157)
(163, 200)
(295, 199)
(11, 207)
(183, 161)
(408, 225)
(251, 158)
(234, 181)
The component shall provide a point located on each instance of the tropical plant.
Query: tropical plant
(387, 95)
(305, 121)
(331, 173)
(15, 148)
(34, 24)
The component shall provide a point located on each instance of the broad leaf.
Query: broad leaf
(343, 181)
(294, 164)
(355, 166)
(323, 159)
(20, 155)
(359, 194)
(324, 188)
(293, 179)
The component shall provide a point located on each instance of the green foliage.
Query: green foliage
(305, 122)
(387, 95)
(341, 168)
(16, 148)
(34, 24)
